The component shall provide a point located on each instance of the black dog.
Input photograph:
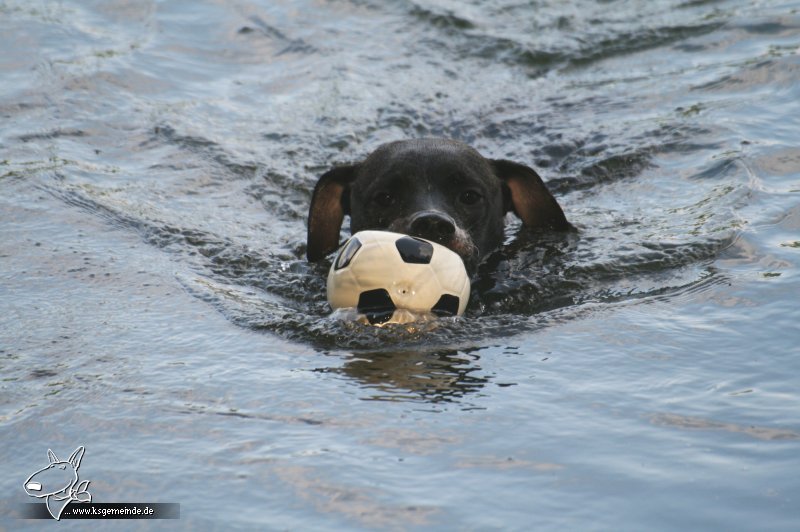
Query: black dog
(440, 190)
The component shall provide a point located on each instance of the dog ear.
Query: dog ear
(329, 204)
(76, 457)
(527, 196)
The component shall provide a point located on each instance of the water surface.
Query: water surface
(156, 164)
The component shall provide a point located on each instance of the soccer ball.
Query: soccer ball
(396, 278)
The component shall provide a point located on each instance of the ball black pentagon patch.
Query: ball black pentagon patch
(376, 305)
(347, 253)
(446, 306)
(414, 251)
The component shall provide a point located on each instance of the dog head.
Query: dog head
(440, 190)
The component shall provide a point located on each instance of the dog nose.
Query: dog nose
(433, 225)
(34, 486)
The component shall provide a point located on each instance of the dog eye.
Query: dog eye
(384, 199)
(469, 197)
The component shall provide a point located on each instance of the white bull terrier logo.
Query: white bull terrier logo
(58, 483)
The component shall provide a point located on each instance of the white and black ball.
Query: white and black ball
(395, 278)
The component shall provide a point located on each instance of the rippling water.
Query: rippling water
(156, 164)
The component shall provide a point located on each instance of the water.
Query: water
(156, 163)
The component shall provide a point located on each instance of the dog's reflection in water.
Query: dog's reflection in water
(416, 375)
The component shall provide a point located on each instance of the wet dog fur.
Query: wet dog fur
(438, 189)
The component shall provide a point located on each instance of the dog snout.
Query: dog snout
(433, 225)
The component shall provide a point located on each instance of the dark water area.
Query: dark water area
(156, 164)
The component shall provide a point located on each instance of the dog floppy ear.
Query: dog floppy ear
(329, 204)
(527, 197)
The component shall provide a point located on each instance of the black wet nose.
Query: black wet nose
(433, 225)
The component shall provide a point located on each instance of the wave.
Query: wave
(532, 281)
(552, 37)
